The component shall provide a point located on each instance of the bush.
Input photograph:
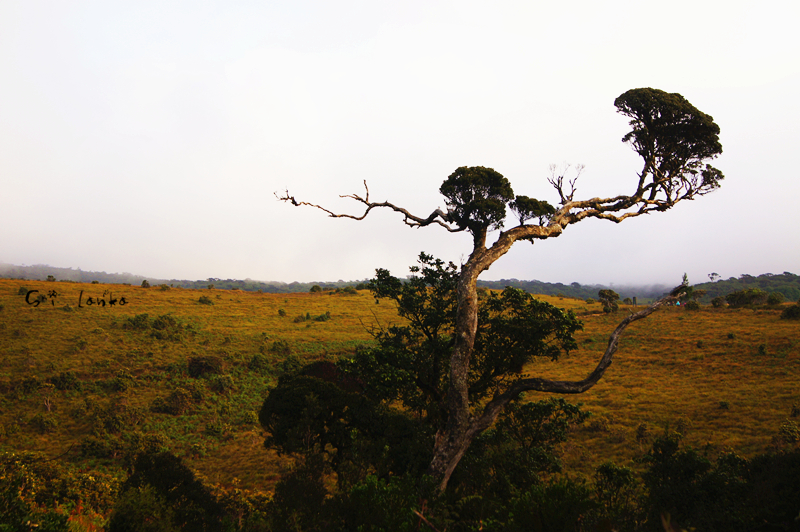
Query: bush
(746, 298)
(316, 288)
(222, 383)
(590, 301)
(791, 313)
(205, 300)
(281, 348)
(718, 302)
(66, 380)
(609, 299)
(145, 284)
(163, 494)
(22, 291)
(259, 363)
(176, 403)
(692, 305)
(775, 298)
(205, 365)
(44, 422)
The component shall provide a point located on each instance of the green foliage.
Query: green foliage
(161, 485)
(476, 197)
(746, 298)
(411, 363)
(791, 313)
(775, 298)
(316, 288)
(519, 450)
(609, 299)
(22, 291)
(692, 305)
(718, 302)
(528, 208)
(674, 139)
(145, 284)
(205, 300)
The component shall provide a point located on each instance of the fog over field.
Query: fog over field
(151, 137)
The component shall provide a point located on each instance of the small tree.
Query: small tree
(674, 139)
(609, 299)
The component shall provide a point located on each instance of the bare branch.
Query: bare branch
(436, 217)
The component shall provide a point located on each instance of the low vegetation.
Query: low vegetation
(88, 389)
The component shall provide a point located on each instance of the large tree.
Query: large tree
(674, 139)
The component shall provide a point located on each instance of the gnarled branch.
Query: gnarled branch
(436, 217)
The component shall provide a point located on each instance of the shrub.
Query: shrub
(163, 287)
(746, 298)
(281, 313)
(205, 300)
(145, 284)
(791, 313)
(66, 380)
(323, 317)
(315, 288)
(692, 305)
(205, 365)
(44, 422)
(280, 347)
(22, 291)
(590, 301)
(222, 383)
(259, 363)
(176, 403)
(718, 302)
(775, 298)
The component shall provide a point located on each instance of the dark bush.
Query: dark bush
(178, 402)
(163, 494)
(66, 380)
(692, 305)
(139, 322)
(791, 313)
(145, 284)
(205, 300)
(718, 302)
(205, 365)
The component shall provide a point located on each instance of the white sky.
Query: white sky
(149, 137)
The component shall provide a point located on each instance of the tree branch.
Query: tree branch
(494, 407)
(436, 217)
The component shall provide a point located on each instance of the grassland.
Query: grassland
(724, 376)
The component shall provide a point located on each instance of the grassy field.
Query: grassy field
(74, 374)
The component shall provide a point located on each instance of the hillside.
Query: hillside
(188, 369)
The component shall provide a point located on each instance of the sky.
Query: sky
(151, 137)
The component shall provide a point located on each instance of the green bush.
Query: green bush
(222, 383)
(145, 284)
(746, 298)
(316, 288)
(692, 305)
(205, 300)
(718, 302)
(775, 298)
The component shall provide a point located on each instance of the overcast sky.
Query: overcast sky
(150, 137)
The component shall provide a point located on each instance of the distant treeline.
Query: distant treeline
(786, 283)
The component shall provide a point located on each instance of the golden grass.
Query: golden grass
(677, 367)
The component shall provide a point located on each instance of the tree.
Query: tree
(609, 299)
(674, 140)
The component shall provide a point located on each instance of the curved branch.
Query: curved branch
(436, 217)
(494, 407)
